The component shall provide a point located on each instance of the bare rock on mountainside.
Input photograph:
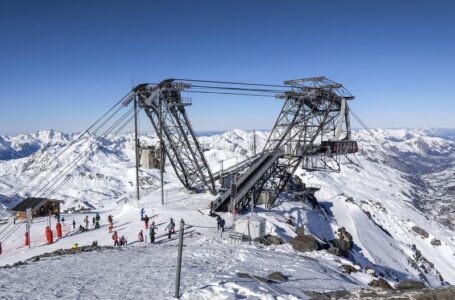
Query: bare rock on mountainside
(300, 231)
(305, 243)
(420, 231)
(344, 241)
(410, 285)
(269, 239)
(380, 283)
(436, 242)
(277, 276)
(349, 268)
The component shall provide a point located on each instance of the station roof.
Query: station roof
(33, 203)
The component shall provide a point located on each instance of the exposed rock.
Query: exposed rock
(442, 293)
(269, 239)
(446, 293)
(258, 278)
(335, 251)
(305, 243)
(60, 252)
(436, 242)
(420, 231)
(300, 231)
(344, 241)
(410, 285)
(277, 276)
(348, 268)
(380, 283)
(276, 240)
(262, 240)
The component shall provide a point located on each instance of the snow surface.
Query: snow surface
(400, 179)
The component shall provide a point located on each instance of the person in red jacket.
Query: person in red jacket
(115, 238)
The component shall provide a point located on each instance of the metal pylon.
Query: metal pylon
(180, 143)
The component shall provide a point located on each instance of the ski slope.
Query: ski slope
(379, 196)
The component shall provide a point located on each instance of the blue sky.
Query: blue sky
(63, 63)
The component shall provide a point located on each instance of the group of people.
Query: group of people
(82, 228)
(152, 228)
(119, 241)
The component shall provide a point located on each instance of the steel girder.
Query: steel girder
(311, 114)
(185, 154)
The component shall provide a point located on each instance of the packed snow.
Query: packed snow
(400, 179)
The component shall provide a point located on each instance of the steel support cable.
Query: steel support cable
(46, 187)
(49, 172)
(226, 93)
(240, 89)
(88, 158)
(64, 150)
(364, 125)
(53, 191)
(67, 156)
(232, 83)
(14, 228)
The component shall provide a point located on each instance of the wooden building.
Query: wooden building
(40, 207)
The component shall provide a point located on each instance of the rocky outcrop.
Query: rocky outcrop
(443, 293)
(60, 252)
(436, 242)
(420, 232)
(300, 231)
(269, 239)
(381, 284)
(305, 243)
(277, 276)
(344, 241)
(271, 278)
(410, 285)
(349, 268)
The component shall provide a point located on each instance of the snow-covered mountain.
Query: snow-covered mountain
(396, 197)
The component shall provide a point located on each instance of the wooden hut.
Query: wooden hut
(40, 207)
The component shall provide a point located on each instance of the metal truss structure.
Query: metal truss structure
(312, 130)
(165, 107)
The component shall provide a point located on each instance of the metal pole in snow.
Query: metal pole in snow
(136, 148)
(179, 261)
(161, 150)
(249, 233)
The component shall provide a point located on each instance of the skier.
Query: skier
(152, 232)
(115, 238)
(123, 241)
(93, 221)
(63, 220)
(146, 220)
(110, 220)
(86, 222)
(218, 222)
(142, 214)
(169, 228)
(98, 218)
(140, 236)
(173, 225)
(74, 225)
(222, 222)
(97, 224)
